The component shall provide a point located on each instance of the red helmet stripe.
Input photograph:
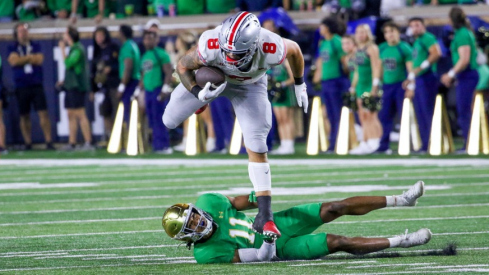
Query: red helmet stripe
(235, 26)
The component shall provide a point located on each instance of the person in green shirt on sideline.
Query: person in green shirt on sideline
(426, 52)
(7, 8)
(129, 65)
(76, 85)
(220, 6)
(349, 48)
(366, 81)
(329, 72)
(94, 9)
(397, 62)
(464, 59)
(156, 76)
(283, 102)
(62, 9)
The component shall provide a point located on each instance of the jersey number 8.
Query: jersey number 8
(212, 44)
(269, 47)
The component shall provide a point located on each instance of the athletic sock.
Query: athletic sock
(394, 241)
(390, 201)
(260, 176)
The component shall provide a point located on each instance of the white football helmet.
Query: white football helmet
(239, 35)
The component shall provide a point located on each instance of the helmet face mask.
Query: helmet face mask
(177, 223)
(239, 36)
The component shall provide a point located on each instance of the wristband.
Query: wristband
(195, 91)
(375, 82)
(121, 88)
(351, 89)
(73, 14)
(299, 80)
(411, 76)
(411, 86)
(451, 73)
(425, 64)
(252, 197)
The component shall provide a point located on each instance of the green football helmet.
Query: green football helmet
(176, 223)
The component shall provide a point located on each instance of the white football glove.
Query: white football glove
(207, 95)
(301, 95)
(166, 89)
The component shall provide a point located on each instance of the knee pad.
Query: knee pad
(168, 121)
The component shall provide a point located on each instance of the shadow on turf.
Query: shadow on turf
(449, 250)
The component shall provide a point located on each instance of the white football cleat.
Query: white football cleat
(420, 237)
(281, 150)
(410, 197)
(361, 149)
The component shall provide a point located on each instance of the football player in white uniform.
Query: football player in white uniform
(244, 52)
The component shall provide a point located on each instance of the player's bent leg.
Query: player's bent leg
(351, 206)
(182, 105)
(306, 247)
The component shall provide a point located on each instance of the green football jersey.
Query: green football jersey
(331, 52)
(464, 37)
(394, 60)
(421, 50)
(151, 65)
(233, 231)
(130, 50)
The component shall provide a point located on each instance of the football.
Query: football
(209, 74)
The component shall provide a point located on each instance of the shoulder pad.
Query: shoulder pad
(273, 47)
(208, 48)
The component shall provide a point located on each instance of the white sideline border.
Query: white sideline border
(215, 162)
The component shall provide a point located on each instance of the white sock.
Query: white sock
(184, 141)
(394, 241)
(287, 143)
(260, 176)
(373, 143)
(390, 201)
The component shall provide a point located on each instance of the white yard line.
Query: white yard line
(275, 202)
(390, 265)
(81, 266)
(294, 182)
(80, 221)
(82, 234)
(109, 174)
(89, 249)
(215, 162)
(97, 199)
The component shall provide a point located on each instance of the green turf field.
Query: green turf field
(85, 218)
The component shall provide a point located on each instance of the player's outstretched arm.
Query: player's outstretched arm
(296, 61)
(263, 254)
(243, 202)
(186, 66)
(295, 58)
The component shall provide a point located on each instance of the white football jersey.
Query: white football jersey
(271, 52)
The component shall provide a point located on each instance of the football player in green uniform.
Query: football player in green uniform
(221, 233)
